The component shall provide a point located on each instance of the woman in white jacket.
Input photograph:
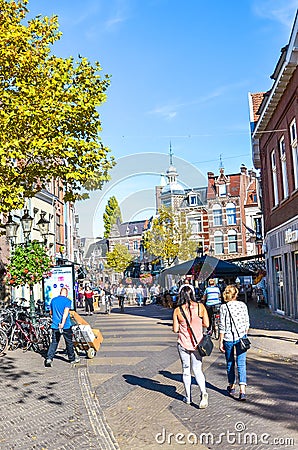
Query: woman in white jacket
(234, 324)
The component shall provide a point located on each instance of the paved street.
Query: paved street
(129, 396)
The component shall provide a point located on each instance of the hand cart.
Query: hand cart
(85, 338)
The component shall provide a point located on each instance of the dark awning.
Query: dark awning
(206, 267)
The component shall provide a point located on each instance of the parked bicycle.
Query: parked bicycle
(20, 332)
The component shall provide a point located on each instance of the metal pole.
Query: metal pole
(32, 306)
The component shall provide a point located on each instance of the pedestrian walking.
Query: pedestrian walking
(121, 296)
(89, 299)
(61, 325)
(234, 324)
(190, 358)
(211, 298)
(139, 293)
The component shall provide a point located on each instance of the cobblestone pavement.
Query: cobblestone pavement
(49, 408)
(129, 396)
(138, 382)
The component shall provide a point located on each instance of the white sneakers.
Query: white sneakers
(204, 401)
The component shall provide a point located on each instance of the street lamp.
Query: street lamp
(11, 229)
(43, 225)
(200, 251)
(26, 221)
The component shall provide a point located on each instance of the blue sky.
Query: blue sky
(180, 72)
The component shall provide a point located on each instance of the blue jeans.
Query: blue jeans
(232, 347)
(56, 335)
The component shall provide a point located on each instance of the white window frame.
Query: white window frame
(274, 178)
(136, 245)
(193, 200)
(196, 224)
(232, 243)
(222, 190)
(283, 160)
(293, 132)
(231, 213)
(217, 217)
(218, 243)
(293, 139)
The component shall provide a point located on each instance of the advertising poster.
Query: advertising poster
(62, 276)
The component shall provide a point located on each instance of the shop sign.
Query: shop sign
(291, 236)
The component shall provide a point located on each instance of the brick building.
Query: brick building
(273, 117)
(233, 212)
(224, 216)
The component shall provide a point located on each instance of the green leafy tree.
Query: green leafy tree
(29, 264)
(119, 258)
(169, 237)
(48, 113)
(111, 214)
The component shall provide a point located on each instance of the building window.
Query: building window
(231, 214)
(232, 241)
(293, 132)
(217, 215)
(196, 224)
(218, 243)
(274, 179)
(293, 137)
(283, 159)
(136, 245)
(222, 190)
(193, 200)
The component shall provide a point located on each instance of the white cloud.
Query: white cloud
(171, 110)
(278, 10)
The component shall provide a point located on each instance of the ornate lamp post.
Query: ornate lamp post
(27, 222)
(11, 230)
(11, 233)
(43, 225)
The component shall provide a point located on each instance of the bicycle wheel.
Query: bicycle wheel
(3, 342)
(16, 339)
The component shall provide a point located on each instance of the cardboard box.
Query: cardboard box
(87, 333)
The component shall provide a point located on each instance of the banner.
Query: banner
(62, 276)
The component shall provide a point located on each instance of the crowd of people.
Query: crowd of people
(130, 294)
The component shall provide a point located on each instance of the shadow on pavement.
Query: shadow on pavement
(178, 377)
(26, 385)
(272, 389)
(153, 385)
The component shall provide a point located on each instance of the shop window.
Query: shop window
(278, 284)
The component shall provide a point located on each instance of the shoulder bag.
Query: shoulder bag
(244, 341)
(205, 347)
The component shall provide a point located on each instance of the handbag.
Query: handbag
(205, 347)
(244, 341)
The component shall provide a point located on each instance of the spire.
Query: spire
(221, 166)
(171, 154)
